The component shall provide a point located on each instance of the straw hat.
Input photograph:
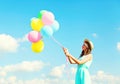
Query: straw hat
(90, 44)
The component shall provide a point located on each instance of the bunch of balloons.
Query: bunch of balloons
(44, 25)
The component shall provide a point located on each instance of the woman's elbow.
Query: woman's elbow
(72, 63)
(79, 63)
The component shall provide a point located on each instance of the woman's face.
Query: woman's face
(84, 47)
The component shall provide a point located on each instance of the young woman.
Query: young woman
(83, 62)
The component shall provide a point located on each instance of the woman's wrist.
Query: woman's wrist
(68, 55)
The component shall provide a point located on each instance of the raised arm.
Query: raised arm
(86, 59)
(73, 60)
(70, 60)
(68, 57)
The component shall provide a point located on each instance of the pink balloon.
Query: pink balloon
(34, 36)
(48, 18)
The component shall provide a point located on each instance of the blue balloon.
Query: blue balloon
(55, 26)
(47, 31)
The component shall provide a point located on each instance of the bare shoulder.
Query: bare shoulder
(90, 56)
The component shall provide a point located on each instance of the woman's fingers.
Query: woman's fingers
(66, 51)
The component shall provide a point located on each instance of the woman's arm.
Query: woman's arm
(88, 58)
(68, 57)
(70, 60)
(73, 60)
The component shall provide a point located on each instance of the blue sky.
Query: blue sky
(98, 21)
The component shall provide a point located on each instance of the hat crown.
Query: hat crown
(92, 46)
(90, 42)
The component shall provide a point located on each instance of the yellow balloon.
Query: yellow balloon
(38, 46)
(36, 24)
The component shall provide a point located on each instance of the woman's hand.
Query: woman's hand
(66, 51)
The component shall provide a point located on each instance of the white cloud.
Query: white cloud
(8, 43)
(103, 78)
(118, 46)
(63, 72)
(9, 80)
(23, 39)
(57, 71)
(25, 66)
(94, 35)
(49, 81)
(3, 73)
(14, 80)
(99, 78)
(73, 70)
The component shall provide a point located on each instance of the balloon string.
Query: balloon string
(67, 68)
(67, 61)
(56, 41)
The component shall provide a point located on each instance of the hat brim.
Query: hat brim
(90, 43)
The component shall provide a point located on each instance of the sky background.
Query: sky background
(98, 21)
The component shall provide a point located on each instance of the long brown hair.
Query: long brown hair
(87, 52)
